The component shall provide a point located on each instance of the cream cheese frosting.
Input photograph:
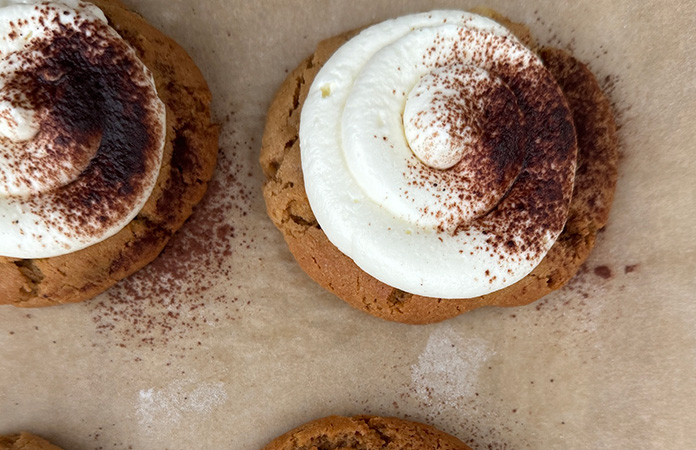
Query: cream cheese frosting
(81, 128)
(438, 154)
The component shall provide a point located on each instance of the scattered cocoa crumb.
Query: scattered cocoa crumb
(631, 268)
(603, 272)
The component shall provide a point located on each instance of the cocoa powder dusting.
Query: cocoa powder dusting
(469, 108)
(538, 200)
(93, 117)
(176, 294)
(604, 67)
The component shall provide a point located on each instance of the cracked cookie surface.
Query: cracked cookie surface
(365, 433)
(289, 209)
(189, 158)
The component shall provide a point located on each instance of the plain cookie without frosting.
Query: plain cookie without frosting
(190, 154)
(25, 441)
(289, 209)
(365, 433)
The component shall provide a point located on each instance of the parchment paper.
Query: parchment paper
(225, 343)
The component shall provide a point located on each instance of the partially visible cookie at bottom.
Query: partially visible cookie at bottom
(190, 154)
(289, 209)
(25, 441)
(365, 433)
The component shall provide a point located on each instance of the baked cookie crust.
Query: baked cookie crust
(189, 159)
(289, 209)
(25, 441)
(365, 433)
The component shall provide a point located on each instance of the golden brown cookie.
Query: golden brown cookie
(365, 433)
(289, 209)
(189, 159)
(25, 441)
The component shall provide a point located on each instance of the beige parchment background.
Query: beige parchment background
(225, 343)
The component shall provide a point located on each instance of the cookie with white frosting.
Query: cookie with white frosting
(357, 202)
(365, 433)
(106, 146)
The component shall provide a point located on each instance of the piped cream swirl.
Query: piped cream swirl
(81, 128)
(438, 154)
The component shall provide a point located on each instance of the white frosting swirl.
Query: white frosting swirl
(53, 195)
(414, 132)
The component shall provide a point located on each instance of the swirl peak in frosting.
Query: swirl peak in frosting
(81, 129)
(442, 161)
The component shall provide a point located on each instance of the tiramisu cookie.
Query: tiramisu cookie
(25, 441)
(502, 169)
(106, 145)
(365, 433)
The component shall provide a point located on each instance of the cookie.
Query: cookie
(25, 441)
(365, 433)
(289, 209)
(190, 155)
